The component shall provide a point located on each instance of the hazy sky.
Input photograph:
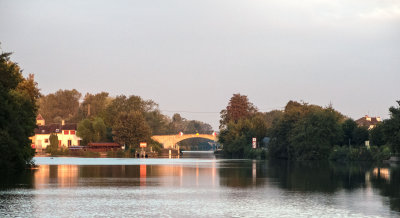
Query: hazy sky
(191, 55)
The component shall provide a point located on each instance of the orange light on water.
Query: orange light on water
(143, 174)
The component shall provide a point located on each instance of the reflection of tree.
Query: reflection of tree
(241, 174)
(117, 171)
(317, 176)
(23, 179)
(351, 175)
(389, 187)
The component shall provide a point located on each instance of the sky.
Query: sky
(192, 56)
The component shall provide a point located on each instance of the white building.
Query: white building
(66, 134)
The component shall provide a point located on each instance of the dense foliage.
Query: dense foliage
(18, 96)
(238, 108)
(240, 122)
(92, 130)
(61, 105)
(100, 117)
(391, 129)
(305, 132)
(237, 137)
(131, 129)
(53, 147)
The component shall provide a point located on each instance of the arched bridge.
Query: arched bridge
(169, 141)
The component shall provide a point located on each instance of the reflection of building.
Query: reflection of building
(62, 175)
(383, 173)
(66, 134)
(103, 146)
(369, 122)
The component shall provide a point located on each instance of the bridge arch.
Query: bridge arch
(169, 141)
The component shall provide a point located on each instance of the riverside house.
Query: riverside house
(66, 134)
(368, 122)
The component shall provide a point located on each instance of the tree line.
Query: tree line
(127, 120)
(303, 131)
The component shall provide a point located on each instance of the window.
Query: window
(66, 132)
(72, 132)
(46, 140)
(69, 143)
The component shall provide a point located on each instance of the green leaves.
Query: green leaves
(61, 105)
(305, 132)
(18, 110)
(92, 130)
(130, 129)
(391, 128)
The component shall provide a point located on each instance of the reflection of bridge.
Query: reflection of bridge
(169, 141)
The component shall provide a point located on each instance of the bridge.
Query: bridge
(169, 141)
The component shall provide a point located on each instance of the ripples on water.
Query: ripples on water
(87, 187)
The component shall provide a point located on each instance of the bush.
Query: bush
(343, 154)
(258, 153)
(381, 153)
(118, 154)
(339, 154)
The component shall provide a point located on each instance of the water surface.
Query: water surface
(198, 187)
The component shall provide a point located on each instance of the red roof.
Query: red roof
(367, 121)
(39, 117)
(55, 128)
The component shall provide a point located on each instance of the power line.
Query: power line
(214, 112)
(193, 112)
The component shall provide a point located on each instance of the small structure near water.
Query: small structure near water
(103, 146)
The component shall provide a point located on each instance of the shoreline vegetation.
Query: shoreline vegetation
(303, 131)
(300, 131)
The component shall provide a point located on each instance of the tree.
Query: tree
(123, 104)
(195, 126)
(237, 136)
(360, 135)
(279, 146)
(305, 132)
(157, 122)
(18, 96)
(348, 127)
(62, 105)
(377, 136)
(272, 117)
(53, 147)
(92, 130)
(391, 129)
(94, 105)
(238, 107)
(315, 134)
(130, 129)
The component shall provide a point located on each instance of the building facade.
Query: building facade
(368, 122)
(66, 134)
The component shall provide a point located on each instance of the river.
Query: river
(200, 187)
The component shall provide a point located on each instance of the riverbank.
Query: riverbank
(163, 153)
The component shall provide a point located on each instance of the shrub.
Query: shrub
(339, 154)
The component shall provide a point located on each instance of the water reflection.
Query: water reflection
(61, 176)
(242, 174)
(318, 176)
(387, 181)
(337, 184)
